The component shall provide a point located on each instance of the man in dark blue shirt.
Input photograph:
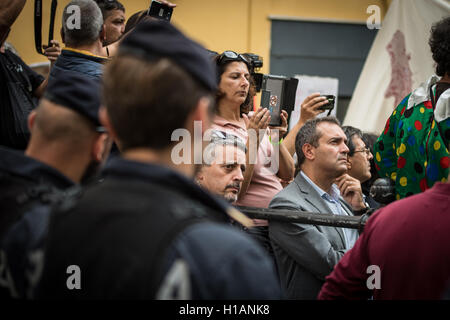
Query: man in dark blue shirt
(84, 43)
(147, 231)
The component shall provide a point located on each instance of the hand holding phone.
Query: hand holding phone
(160, 10)
(330, 105)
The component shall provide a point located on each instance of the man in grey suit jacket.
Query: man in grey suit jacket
(306, 254)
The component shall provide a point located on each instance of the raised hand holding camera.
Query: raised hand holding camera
(161, 9)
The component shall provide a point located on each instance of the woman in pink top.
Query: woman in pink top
(268, 160)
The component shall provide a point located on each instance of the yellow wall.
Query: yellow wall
(239, 25)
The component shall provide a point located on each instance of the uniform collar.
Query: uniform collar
(17, 163)
(67, 51)
(334, 191)
(120, 168)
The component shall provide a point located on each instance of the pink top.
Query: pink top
(264, 184)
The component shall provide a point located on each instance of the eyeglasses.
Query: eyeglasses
(227, 56)
(366, 150)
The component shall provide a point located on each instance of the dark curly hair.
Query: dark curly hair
(247, 106)
(108, 6)
(440, 46)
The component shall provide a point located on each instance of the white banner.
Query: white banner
(398, 62)
(308, 85)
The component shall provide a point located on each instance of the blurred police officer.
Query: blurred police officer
(148, 231)
(67, 143)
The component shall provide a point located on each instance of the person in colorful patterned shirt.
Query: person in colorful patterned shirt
(412, 148)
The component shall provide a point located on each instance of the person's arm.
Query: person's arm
(9, 11)
(256, 125)
(304, 243)
(52, 53)
(309, 110)
(286, 166)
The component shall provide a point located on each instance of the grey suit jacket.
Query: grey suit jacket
(305, 254)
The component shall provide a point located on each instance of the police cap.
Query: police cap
(76, 91)
(153, 40)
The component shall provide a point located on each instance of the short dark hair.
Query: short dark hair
(137, 18)
(147, 101)
(106, 6)
(440, 46)
(309, 134)
(350, 132)
(91, 23)
(248, 103)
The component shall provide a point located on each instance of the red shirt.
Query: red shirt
(409, 241)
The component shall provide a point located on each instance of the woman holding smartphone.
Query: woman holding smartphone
(268, 161)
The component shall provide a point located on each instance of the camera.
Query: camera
(160, 11)
(277, 94)
(330, 105)
(256, 62)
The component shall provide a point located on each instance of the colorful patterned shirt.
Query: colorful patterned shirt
(412, 149)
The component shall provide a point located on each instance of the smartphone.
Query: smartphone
(271, 96)
(160, 11)
(330, 105)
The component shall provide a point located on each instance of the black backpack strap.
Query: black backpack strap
(38, 24)
(52, 21)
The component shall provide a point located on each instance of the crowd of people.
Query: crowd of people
(159, 218)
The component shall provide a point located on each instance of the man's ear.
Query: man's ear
(349, 163)
(106, 122)
(101, 147)
(201, 113)
(31, 119)
(103, 33)
(309, 151)
(200, 176)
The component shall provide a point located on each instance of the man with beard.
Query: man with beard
(223, 171)
(67, 143)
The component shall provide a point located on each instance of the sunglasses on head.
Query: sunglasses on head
(227, 56)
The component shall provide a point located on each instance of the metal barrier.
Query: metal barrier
(331, 220)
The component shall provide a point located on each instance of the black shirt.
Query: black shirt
(17, 85)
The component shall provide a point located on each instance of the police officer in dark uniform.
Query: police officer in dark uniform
(67, 142)
(148, 231)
